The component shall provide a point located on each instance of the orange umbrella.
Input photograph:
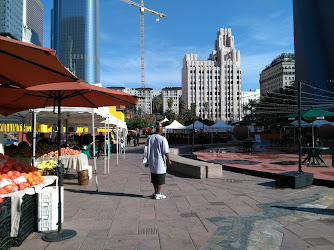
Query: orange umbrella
(24, 65)
(70, 94)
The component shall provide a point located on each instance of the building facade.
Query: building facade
(75, 37)
(246, 96)
(174, 93)
(145, 100)
(216, 81)
(11, 18)
(22, 19)
(278, 74)
(34, 21)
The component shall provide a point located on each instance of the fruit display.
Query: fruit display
(64, 151)
(48, 167)
(16, 176)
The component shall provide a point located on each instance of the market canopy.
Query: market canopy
(198, 125)
(24, 65)
(175, 125)
(75, 116)
(249, 122)
(311, 114)
(319, 123)
(220, 127)
(302, 123)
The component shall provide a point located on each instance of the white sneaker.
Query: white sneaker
(159, 196)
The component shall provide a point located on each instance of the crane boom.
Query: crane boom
(142, 57)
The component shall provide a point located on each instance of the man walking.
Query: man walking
(157, 153)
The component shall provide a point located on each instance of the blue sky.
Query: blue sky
(262, 29)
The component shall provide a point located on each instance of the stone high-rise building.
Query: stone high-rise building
(278, 74)
(216, 81)
(171, 92)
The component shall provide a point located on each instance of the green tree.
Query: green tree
(170, 102)
(170, 114)
(137, 122)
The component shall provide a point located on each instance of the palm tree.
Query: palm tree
(157, 103)
(206, 108)
(182, 105)
(170, 102)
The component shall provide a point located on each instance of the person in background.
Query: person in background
(100, 142)
(137, 138)
(128, 139)
(157, 152)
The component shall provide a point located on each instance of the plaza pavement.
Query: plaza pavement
(234, 212)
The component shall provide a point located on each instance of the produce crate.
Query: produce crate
(5, 224)
(47, 209)
(27, 220)
(5, 208)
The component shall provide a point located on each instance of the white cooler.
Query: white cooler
(47, 209)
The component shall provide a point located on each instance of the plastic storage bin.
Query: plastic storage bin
(5, 224)
(47, 209)
(27, 220)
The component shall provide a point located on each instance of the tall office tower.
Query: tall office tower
(34, 20)
(278, 74)
(314, 51)
(75, 37)
(11, 18)
(216, 81)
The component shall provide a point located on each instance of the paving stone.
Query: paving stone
(319, 242)
(132, 242)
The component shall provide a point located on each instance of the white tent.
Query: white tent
(175, 125)
(164, 120)
(198, 125)
(220, 127)
(302, 123)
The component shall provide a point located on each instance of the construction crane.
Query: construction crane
(142, 58)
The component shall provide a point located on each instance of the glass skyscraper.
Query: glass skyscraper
(75, 37)
(11, 17)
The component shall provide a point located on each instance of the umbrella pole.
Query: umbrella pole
(299, 129)
(33, 158)
(60, 235)
(117, 144)
(105, 147)
(312, 134)
(94, 153)
(109, 148)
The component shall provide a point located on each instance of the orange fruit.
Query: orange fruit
(41, 179)
(3, 191)
(10, 174)
(33, 183)
(22, 186)
(9, 187)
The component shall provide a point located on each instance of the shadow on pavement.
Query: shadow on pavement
(104, 193)
(309, 210)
